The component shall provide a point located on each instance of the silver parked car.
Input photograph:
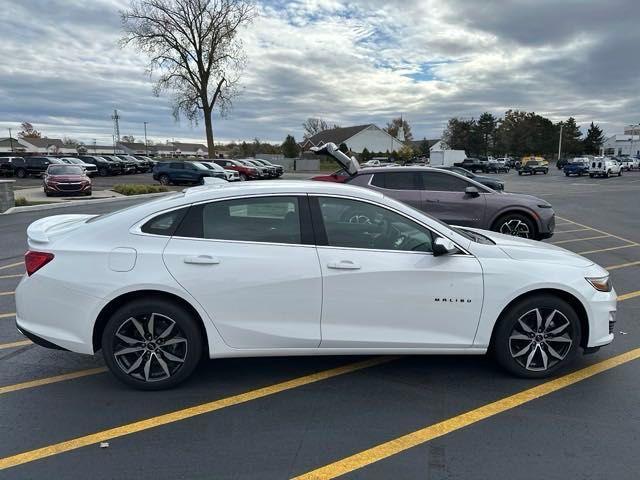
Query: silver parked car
(451, 197)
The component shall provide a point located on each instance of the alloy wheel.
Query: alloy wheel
(150, 347)
(516, 228)
(540, 339)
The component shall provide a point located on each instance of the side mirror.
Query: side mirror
(443, 246)
(471, 191)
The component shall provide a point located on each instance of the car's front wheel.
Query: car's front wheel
(537, 336)
(152, 344)
(516, 225)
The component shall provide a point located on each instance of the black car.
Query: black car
(561, 163)
(105, 167)
(532, 167)
(473, 165)
(141, 166)
(7, 165)
(486, 181)
(35, 166)
(183, 172)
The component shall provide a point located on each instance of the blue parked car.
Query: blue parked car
(577, 166)
(168, 173)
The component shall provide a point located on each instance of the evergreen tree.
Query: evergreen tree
(290, 147)
(571, 137)
(486, 129)
(594, 140)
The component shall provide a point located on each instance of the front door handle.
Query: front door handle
(344, 265)
(202, 260)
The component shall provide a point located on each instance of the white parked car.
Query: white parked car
(604, 167)
(628, 163)
(285, 268)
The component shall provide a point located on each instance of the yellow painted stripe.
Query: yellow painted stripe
(596, 230)
(49, 380)
(571, 231)
(608, 249)
(7, 315)
(627, 296)
(21, 343)
(11, 265)
(179, 415)
(579, 239)
(622, 265)
(11, 276)
(400, 444)
(4, 294)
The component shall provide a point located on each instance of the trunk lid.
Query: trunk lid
(47, 229)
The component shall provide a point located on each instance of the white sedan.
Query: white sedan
(301, 268)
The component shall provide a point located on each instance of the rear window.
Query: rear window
(166, 223)
(396, 180)
(443, 182)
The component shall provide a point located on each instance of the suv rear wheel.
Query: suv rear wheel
(537, 336)
(152, 344)
(164, 179)
(21, 173)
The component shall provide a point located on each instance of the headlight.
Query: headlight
(602, 284)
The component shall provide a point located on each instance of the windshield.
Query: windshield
(65, 170)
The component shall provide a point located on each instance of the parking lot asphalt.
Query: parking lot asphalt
(431, 417)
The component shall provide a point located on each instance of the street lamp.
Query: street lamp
(10, 140)
(560, 141)
(146, 146)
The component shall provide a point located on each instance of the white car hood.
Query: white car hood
(532, 250)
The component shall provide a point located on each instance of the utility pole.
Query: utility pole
(11, 140)
(146, 146)
(560, 142)
(94, 146)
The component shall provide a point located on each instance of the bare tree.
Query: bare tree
(27, 131)
(313, 126)
(194, 46)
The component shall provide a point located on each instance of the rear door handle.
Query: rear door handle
(344, 265)
(202, 260)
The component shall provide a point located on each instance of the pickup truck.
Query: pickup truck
(473, 165)
(577, 167)
(532, 167)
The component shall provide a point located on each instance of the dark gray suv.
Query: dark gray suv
(453, 198)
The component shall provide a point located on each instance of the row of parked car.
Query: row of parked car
(187, 171)
(598, 166)
(102, 165)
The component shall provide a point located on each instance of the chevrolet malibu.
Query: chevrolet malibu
(161, 284)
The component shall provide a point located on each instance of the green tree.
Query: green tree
(365, 155)
(594, 140)
(486, 131)
(423, 148)
(461, 134)
(394, 125)
(344, 148)
(290, 147)
(571, 137)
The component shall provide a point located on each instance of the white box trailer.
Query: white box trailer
(446, 158)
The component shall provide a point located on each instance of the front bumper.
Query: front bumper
(602, 315)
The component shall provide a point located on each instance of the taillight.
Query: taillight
(34, 261)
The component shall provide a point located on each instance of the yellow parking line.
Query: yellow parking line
(21, 343)
(599, 231)
(627, 296)
(7, 315)
(405, 442)
(579, 239)
(183, 414)
(12, 276)
(4, 294)
(622, 265)
(571, 231)
(608, 249)
(11, 265)
(49, 380)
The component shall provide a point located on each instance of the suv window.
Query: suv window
(396, 180)
(259, 219)
(355, 224)
(442, 182)
(177, 165)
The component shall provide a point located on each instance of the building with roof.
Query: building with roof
(356, 138)
(47, 146)
(179, 149)
(11, 145)
(622, 145)
(137, 148)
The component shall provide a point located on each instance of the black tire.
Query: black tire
(243, 177)
(21, 173)
(620, 172)
(164, 179)
(591, 175)
(189, 347)
(103, 172)
(505, 347)
(519, 173)
(566, 174)
(545, 171)
(519, 223)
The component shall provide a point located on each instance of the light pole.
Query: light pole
(560, 142)
(146, 147)
(10, 140)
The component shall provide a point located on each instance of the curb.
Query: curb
(72, 203)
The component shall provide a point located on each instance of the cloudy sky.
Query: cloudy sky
(348, 62)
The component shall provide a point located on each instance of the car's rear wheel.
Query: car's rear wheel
(537, 336)
(21, 173)
(243, 177)
(152, 344)
(103, 172)
(164, 179)
(516, 225)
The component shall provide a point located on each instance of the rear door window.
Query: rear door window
(442, 182)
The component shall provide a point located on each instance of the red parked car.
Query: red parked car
(66, 179)
(245, 172)
(338, 176)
